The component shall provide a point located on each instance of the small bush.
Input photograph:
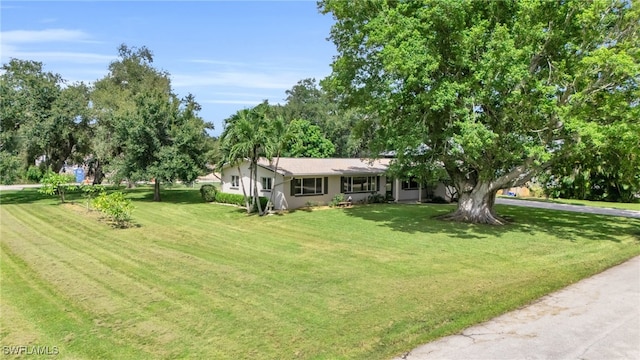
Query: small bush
(90, 191)
(439, 200)
(33, 174)
(375, 198)
(337, 198)
(115, 206)
(9, 168)
(208, 192)
(536, 191)
(236, 199)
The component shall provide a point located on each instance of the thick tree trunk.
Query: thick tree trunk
(98, 175)
(156, 191)
(476, 206)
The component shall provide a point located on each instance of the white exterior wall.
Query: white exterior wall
(298, 201)
(225, 185)
(444, 191)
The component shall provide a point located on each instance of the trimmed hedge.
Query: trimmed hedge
(236, 199)
(208, 192)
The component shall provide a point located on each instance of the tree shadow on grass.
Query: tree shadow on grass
(173, 196)
(24, 196)
(570, 226)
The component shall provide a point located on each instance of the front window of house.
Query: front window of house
(410, 184)
(353, 184)
(308, 186)
(235, 181)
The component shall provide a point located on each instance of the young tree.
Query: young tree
(498, 91)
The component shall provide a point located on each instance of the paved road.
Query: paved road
(567, 207)
(596, 318)
(18, 187)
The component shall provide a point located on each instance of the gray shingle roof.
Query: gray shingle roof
(330, 166)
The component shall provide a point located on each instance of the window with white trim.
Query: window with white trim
(308, 186)
(235, 181)
(410, 184)
(354, 184)
(266, 183)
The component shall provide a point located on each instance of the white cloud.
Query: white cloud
(234, 102)
(9, 51)
(38, 36)
(252, 80)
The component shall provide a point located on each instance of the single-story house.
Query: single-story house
(300, 181)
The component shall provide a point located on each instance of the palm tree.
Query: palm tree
(279, 134)
(245, 137)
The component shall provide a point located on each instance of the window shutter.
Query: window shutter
(326, 185)
(292, 183)
(377, 183)
(342, 189)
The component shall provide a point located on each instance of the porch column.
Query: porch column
(397, 188)
(420, 193)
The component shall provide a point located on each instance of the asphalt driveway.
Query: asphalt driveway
(567, 207)
(596, 318)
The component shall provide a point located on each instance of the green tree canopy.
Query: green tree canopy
(143, 130)
(308, 141)
(40, 115)
(497, 91)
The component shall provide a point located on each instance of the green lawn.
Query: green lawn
(195, 280)
(602, 204)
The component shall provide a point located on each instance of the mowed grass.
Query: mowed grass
(195, 280)
(602, 204)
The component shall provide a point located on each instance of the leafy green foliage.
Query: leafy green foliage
(57, 184)
(307, 141)
(9, 168)
(89, 192)
(116, 206)
(144, 131)
(208, 192)
(336, 199)
(33, 174)
(236, 199)
(308, 101)
(41, 116)
(495, 92)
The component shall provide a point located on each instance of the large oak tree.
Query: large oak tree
(143, 130)
(498, 91)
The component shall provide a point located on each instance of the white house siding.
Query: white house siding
(334, 188)
(443, 191)
(406, 195)
(226, 187)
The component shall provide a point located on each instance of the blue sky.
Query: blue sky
(230, 54)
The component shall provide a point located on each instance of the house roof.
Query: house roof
(328, 166)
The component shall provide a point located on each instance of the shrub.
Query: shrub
(90, 191)
(536, 191)
(9, 168)
(375, 198)
(33, 174)
(56, 184)
(337, 198)
(115, 206)
(236, 199)
(208, 192)
(439, 200)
